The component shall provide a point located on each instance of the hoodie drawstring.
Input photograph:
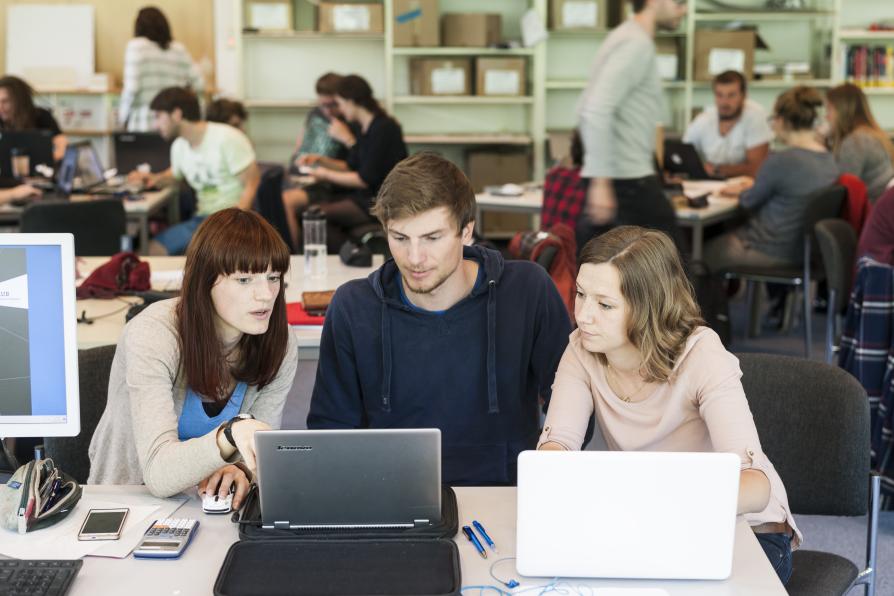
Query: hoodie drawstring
(386, 358)
(493, 406)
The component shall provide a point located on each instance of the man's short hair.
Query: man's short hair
(728, 77)
(328, 83)
(224, 110)
(638, 5)
(174, 98)
(423, 182)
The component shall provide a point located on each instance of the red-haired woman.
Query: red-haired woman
(195, 377)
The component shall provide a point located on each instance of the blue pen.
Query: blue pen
(484, 535)
(474, 540)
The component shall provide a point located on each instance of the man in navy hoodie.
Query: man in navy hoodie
(445, 335)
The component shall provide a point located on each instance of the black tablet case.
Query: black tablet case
(297, 567)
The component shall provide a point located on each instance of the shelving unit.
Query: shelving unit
(84, 114)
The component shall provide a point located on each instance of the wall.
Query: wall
(191, 21)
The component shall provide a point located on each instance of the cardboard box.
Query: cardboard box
(432, 76)
(416, 23)
(470, 30)
(668, 57)
(716, 51)
(486, 168)
(344, 17)
(501, 76)
(579, 14)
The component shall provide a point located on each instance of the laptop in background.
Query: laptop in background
(134, 150)
(36, 144)
(631, 515)
(682, 158)
(370, 478)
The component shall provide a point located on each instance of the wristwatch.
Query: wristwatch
(228, 427)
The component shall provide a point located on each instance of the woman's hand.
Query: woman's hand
(737, 186)
(551, 446)
(220, 482)
(341, 132)
(243, 432)
(308, 159)
(320, 174)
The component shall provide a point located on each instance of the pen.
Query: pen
(48, 503)
(484, 535)
(474, 540)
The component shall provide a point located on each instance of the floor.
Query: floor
(840, 535)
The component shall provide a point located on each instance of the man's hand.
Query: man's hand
(341, 132)
(602, 207)
(24, 191)
(711, 169)
(220, 482)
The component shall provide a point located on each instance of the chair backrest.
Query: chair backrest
(822, 204)
(813, 423)
(97, 225)
(838, 245)
(70, 453)
(268, 202)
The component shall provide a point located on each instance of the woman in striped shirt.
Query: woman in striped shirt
(152, 62)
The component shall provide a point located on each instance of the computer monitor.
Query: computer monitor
(36, 144)
(134, 150)
(38, 336)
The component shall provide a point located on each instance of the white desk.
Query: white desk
(136, 211)
(108, 315)
(719, 209)
(197, 570)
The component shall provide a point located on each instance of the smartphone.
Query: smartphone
(103, 524)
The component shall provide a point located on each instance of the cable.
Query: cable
(89, 320)
(512, 583)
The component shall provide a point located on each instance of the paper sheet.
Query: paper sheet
(668, 66)
(580, 13)
(533, 29)
(61, 540)
(446, 81)
(347, 18)
(722, 59)
(502, 82)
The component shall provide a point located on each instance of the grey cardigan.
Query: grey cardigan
(136, 439)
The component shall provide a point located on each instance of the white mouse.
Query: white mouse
(212, 503)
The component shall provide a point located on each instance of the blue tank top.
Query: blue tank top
(194, 422)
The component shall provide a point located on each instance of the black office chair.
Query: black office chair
(822, 204)
(268, 201)
(837, 242)
(97, 225)
(70, 453)
(813, 423)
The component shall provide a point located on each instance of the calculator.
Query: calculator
(166, 539)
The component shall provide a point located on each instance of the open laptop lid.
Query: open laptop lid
(349, 478)
(134, 150)
(682, 158)
(635, 515)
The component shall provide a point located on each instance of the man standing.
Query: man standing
(445, 335)
(618, 113)
(732, 136)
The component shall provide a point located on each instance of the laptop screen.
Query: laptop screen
(89, 168)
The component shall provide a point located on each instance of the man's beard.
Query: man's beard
(734, 116)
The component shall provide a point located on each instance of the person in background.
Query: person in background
(325, 131)
(153, 61)
(858, 143)
(216, 160)
(18, 112)
(227, 111)
(378, 148)
(445, 335)
(22, 192)
(732, 136)
(657, 379)
(775, 200)
(194, 377)
(564, 191)
(877, 237)
(618, 112)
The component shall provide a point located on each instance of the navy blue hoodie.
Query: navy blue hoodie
(474, 371)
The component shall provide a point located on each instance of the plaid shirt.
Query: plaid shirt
(867, 352)
(564, 194)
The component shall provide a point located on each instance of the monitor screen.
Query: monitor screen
(38, 343)
(89, 168)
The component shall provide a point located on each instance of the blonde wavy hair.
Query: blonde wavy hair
(663, 310)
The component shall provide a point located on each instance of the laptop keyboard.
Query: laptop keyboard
(37, 578)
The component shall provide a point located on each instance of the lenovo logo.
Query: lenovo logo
(294, 448)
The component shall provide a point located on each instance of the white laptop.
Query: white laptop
(634, 515)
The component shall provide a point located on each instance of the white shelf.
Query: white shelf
(438, 51)
(576, 84)
(280, 104)
(468, 139)
(463, 100)
(878, 90)
(312, 36)
(859, 34)
(773, 83)
(776, 15)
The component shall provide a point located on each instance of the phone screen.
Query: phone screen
(103, 522)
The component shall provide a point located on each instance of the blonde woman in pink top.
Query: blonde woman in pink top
(657, 379)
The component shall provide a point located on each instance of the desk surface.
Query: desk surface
(108, 315)
(149, 202)
(197, 570)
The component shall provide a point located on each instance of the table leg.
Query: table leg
(144, 234)
(698, 238)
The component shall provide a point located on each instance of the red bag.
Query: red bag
(124, 272)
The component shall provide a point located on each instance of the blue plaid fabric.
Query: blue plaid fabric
(867, 352)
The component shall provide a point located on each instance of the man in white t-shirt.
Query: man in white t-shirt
(215, 159)
(733, 136)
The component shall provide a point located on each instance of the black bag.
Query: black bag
(249, 520)
(710, 293)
